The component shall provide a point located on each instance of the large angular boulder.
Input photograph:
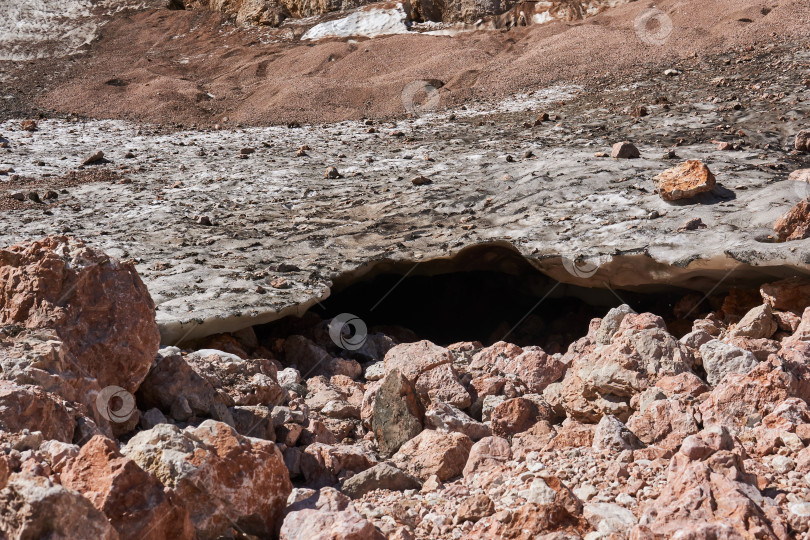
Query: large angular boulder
(434, 452)
(28, 407)
(97, 306)
(445, 417)
(132, 499)
(322, 464)
(34, 507)
(604, 380)
(665, 422)
(720, 359)
(708, 494)
(223, 478)
(791, 294)
(685, 181)
(380, 476)
(745, 399)
(613, 436)
(398, 413)
(327, 514)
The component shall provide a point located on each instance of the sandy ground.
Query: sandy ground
(192, 68)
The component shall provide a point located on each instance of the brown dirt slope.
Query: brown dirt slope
(164, 66)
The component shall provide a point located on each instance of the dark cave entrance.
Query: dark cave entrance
(486, 294)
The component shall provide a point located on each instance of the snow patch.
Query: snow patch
(365, 22)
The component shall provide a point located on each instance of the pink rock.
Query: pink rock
(603, 381)
(572, 434)
(323, 464)
(98, 307)
(486, 359)
(742, 399)
(665, 422)
(487, 454)
(220, 476)
(534, 367)
(683, 383)
(327, 515)
(434, 452)
(792, 294)
(35, 507)
(442, 384)
(414, 359)
(28, 407)
(708, 494)
(131, 498)
(514, 416)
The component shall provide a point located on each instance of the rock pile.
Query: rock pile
(631, 433)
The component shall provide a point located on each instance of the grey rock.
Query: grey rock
(720, 358)
(380, 476)
(612, 435)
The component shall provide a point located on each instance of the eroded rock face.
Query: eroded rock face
(222, 477)
(132, 499)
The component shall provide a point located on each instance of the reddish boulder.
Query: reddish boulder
(98, 307)
(223, 478)
(414, 359)
(794, 224)
(490, 453)
(28, 407)
(33, 507)
(434, 452)
(442, 384)
(684, 181)
(514, 416)
(683, 383)
(604, 380)
(327, 514)
(708, 494)
(791, 294)
(742, 400)
(665, 422)
(132, 499)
